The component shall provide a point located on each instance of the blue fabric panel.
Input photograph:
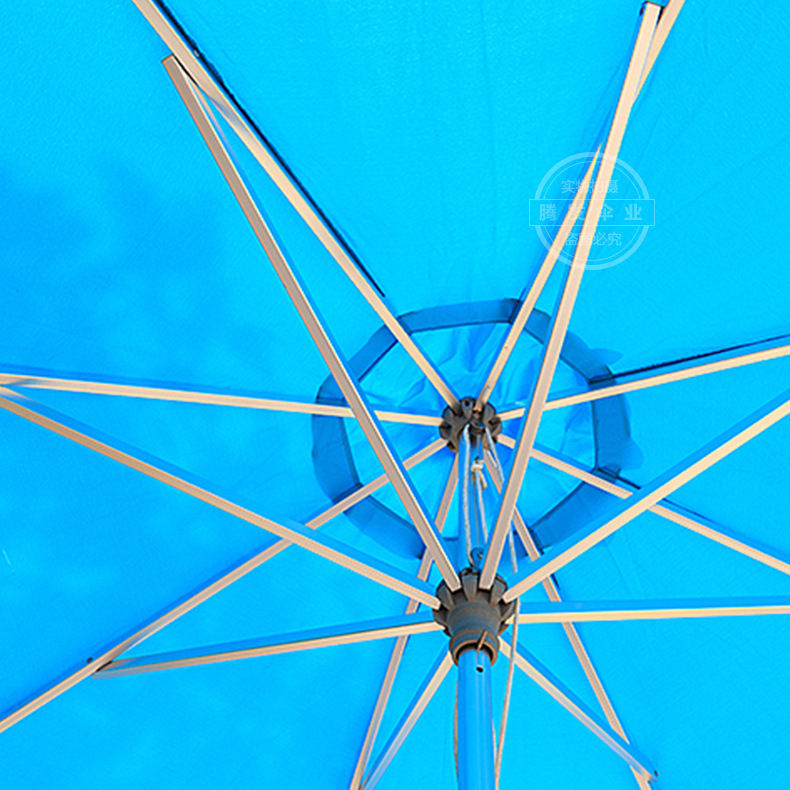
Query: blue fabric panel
(421, 131)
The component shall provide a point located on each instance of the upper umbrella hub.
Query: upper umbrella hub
(466, 338)
(483, 421)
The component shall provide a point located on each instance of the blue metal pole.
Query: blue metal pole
(475, 722)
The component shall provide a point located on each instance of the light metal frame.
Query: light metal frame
(190, 76)
(324, 546)
(536, 287)
(71, 677)
(544, 678)
(190, 60)
(718, 533)
(374, 485)
(669, 15)
(346, 634)
(75, 675)
(38, 379)
(663, 485)
(316, 326)
(670, 609)
(571, 632)
(562, 314)
(400, 643)
(680, 371)
(437, 673)
(666, 20)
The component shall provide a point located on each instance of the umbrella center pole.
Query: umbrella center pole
(473, 619)
(470, 432)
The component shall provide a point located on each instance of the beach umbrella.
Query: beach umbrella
(394, 394)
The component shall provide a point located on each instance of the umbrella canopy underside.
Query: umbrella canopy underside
(421, 132)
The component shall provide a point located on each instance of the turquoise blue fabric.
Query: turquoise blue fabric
(422, 131)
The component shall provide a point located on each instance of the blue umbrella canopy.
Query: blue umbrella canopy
(142, 319)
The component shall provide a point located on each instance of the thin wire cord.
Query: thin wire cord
(513, 558)
(465, 494)
(490, 438)
(498, 477)
(494, 456)
(480, 484)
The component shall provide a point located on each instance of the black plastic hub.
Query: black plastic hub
(455, 420)
(471, 617)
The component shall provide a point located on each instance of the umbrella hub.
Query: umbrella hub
(473, 618)
(465, 337)
(481, 422)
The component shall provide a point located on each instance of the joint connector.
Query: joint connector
(471, 617)
(482, 423)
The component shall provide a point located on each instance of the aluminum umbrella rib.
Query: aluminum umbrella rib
(315, 324)
(106, 654)
(536, 287)
(677, 609)
(653, 493)
(665, 21)
(749, 548)
(326, 547)
(562, 314)
(349, 633)
(368, 489)
(422, 697)
(168, 391)
(531, 667)
(679, 371)
(191, 61)
(400, 643)
(578, 647)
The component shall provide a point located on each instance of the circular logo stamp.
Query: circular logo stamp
(562, 201)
